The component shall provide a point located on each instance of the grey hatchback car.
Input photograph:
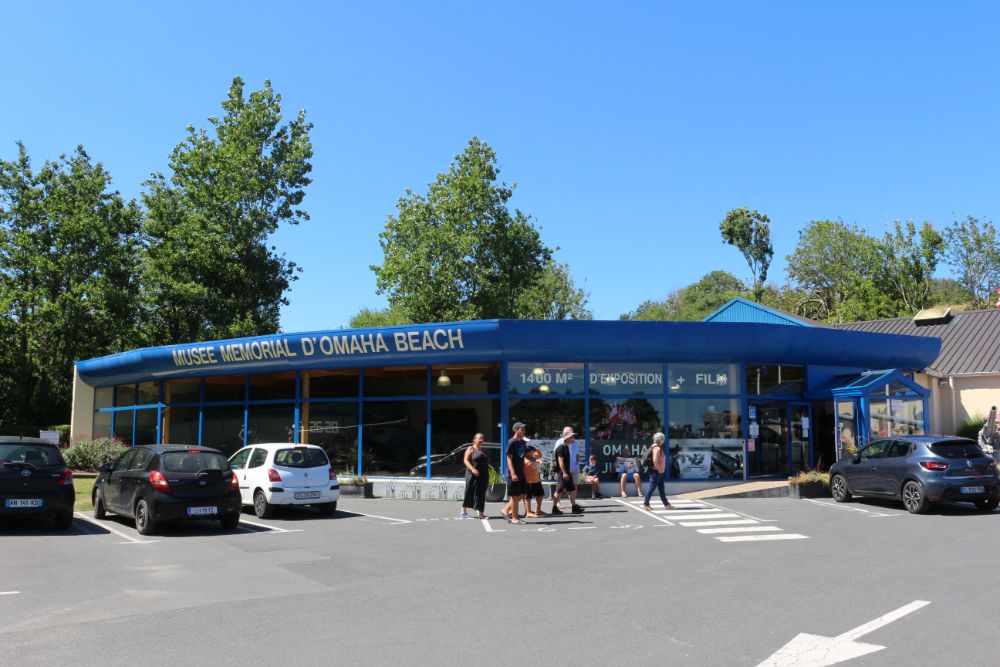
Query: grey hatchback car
(919, 470)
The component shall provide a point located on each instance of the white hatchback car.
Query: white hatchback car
(285, 473)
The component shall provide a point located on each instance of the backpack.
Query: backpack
(647, 460)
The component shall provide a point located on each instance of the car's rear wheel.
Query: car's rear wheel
(838, 488)
(988, 504)
(99, 510)
(63, 521)
(230, 522)
(144, 521)
(914, 499)
(262, 508)
(327, 509)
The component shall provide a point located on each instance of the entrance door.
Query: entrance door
(799, 418)
(783, 442)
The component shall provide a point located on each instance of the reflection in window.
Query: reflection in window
(403, 381)
(394, 436)
(453, 423)
(691, 379)
(705, 438)
(845, 428)
(330, 384)
(334, 427)
(124, 395)
(102, 425)
(225, 388)
(182, 391)
(766, 379)
(104, 397)
(149, 393)
(896, 417)
(145, 427)
(222, 427)
(467, 379)
(626, 379)
(123, 426)
(270, 423)
(547, 378)
(180, 426)
(622, 429)
(272, 386)
(545, 419)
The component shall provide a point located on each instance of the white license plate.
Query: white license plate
(23, 502)
(202, 511)
(973, 489)
(306, 495)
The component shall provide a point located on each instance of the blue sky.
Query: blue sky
(629, 128)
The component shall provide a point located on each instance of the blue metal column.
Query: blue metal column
(504, 417)
(298, 411)
(427, 424)
(361, 416)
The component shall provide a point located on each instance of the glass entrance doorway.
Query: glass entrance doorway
(782, 437)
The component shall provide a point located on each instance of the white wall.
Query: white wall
(82, 419)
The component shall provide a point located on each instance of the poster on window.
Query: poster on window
(694, 464)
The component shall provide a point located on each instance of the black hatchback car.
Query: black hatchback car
(34, 480)
(154, 483)
(919, 470)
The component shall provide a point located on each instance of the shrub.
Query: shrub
(969, 428)
(92, 454)
(807, 476)
(63, 430)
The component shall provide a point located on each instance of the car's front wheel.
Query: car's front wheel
(988, 504)
(144, 521)
(839, 490)
(262, 508)
(99, 510)
(914, 499)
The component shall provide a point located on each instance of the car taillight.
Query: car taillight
(273, 475)
(234, 483)
(333, 475)
(66, 477)
(933, 465)
(158, 481)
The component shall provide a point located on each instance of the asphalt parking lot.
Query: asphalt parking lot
(709, 583)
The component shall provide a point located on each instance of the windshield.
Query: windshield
(301, 457)
(956, 449)
(39, 456)
(193, 461)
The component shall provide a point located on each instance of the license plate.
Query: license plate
(973, 489)
(306, 495)
(202, 511)
(13, 503)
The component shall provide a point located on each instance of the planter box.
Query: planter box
(808, 490)
(363, 490)
(496, 493)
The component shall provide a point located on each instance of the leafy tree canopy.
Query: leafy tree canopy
(694, 302)
(973, 250)
(750, 232)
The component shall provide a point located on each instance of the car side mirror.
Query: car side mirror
(857, 458)
(105, 467)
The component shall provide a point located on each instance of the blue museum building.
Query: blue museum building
(750, 392)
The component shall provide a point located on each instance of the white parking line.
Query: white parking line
(763, 538)
(742, 529)
(10, 592)
(273, 528)
(649, 514)
(489, 528)
(583, 528)
(838, 506)
(110, 529)
(376, 516)
(729, 522)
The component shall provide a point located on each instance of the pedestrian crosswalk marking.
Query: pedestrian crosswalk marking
(740, 529)
(762, 538)
(723, 525)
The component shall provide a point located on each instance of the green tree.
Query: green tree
(973, 250)
(209, 271)
(68, 249)
(693, 302)
(949, 292)
(750, 232)
(386, 317)
(662, 310)
(554, 296)
(910, 261)
(461, 253)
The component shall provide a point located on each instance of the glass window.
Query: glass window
(545, 420)
(547, 378)
(766, 379)
(468, 379)
(239, 459)
(271, 423)
(403, 381)
(124, 460)
(330, 384)
(706, 439)
(874, 450)
(300, 457)
(394, 436)
(102, 425)
(896, 416)
(273, 386)
(145, 427)
(140, 460)
(149, 393)
(124, 395)
(622, 429)
(897, 449)
(453, 423)
(626, 378)
(180, 426)
(845, 427)
(225, 388)
(222, 427)
(334, 427)
(258, 458)
(123, 426)
(703, 379)
(193, 461)
(104, 397)
(182, 391)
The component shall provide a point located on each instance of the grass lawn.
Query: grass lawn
(83, 486)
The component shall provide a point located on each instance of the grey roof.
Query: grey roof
(970, 341)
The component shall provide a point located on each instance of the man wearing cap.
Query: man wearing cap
(516, 449)
(564, 468)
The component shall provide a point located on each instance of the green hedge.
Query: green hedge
(971, 426)
(92, 454)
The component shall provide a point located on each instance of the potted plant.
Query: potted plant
(354, 485)
(496, 488)
(809, 484)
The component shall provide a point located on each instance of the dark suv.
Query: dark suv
(154, 483)
(34, 480)
(919, 470)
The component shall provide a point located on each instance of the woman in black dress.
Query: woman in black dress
(477, 476)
